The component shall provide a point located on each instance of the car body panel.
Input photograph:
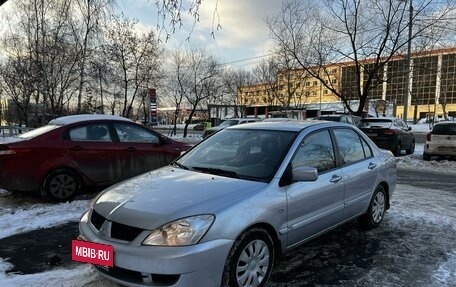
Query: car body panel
(292, 211)
(98, 162)
(226, 123)
(388, 132)
(441, 141)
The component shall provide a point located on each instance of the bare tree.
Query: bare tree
(86, 28)
(233, 81)
(266, 73)
(170, 16)
(197, 77)
(135, 60)
(368, 33)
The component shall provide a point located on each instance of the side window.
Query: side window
(350, 146)
(93, 132)
(367, 148)
(132, 133)
(316, 150)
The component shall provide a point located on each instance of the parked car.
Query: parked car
(227, 123)
(222, 212)
(199, 126)
(389, 133)
(82, 151)
(350, 119)
(441, 141)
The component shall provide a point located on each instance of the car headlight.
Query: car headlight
(185, 231)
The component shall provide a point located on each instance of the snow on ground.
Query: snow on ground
(423, 223)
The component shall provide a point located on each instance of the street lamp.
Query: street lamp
(409, 50)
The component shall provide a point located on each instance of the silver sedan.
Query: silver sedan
(223, 212)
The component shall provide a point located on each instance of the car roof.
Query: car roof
(445, 123)
(294, 126)
(238, 119)
(380, 118)
(85, 117)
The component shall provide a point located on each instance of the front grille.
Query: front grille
(124, 232)
(97, 219)
(118, 230)
(138, 277)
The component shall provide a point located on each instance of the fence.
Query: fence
(6, 131)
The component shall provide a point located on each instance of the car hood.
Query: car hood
(166, 194)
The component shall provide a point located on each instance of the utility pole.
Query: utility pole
(409, 60)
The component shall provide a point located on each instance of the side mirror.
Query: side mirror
(304, 173)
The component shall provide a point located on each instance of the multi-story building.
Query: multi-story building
(294, 92)
(432, 86)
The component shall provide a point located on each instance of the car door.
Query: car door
(406, 136)
(317, 205)
(359, 169)
(90, 150)
(141, 149)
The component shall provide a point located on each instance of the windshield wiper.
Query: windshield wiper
(180, 165)
(216, 171)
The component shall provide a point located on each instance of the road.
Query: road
(403, 251)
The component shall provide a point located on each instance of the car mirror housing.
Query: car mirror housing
(304, 173)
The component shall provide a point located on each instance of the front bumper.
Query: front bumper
(137, 265)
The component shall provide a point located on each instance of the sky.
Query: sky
(243, 40)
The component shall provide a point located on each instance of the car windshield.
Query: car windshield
(375, 123)
(329, 118)
(240, 153)
(444, 129)
(38, 131)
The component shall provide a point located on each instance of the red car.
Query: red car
(82, 151)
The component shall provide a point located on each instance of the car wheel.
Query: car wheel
(61, 185)
(250, 260)
(411, 150)
(426, 156)
(376, 210)
(397, 150)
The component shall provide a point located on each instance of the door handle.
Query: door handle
(335, 178)
(130, 149)
(372, 166)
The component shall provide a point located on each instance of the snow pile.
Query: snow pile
(16, 219)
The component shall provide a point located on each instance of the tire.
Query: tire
(376, 211)
(411, 150)
(397, 150)
(426, 157)
(250, 260)
(61, 185)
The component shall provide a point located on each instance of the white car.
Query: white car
(441, 141)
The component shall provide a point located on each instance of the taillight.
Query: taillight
(6, 150)
(389, 132)
(429, 136)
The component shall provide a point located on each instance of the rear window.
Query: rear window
(38, 131)
(334, 119)
(373, 123)
(444, 129)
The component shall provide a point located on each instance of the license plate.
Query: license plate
(94, 253)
